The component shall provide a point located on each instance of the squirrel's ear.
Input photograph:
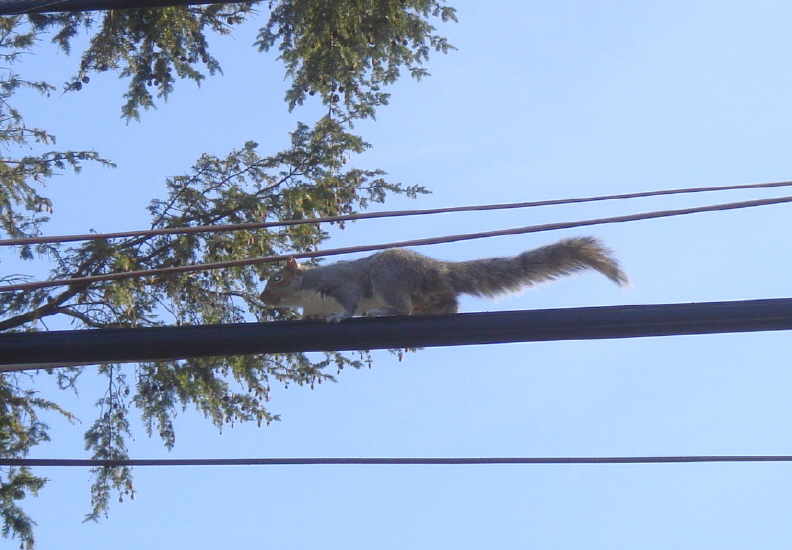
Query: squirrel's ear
(291, 263)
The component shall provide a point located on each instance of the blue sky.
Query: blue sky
(542, 100)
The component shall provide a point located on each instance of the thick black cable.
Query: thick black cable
(31, 350)
(371, 215)
(60, 462)
(368, 248)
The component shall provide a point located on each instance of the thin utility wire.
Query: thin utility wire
(386, 461)
(368, 248)
(21, 241)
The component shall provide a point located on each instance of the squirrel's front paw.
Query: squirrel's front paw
(337, 317)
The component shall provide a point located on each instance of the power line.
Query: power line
(371, 215)
(368, 248)
(61, 462)
(30, 350)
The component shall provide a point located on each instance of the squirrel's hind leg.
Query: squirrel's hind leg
(437, 305)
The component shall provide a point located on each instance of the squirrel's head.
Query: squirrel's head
(280, 287)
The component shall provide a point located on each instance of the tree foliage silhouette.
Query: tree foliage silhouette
(344, 53)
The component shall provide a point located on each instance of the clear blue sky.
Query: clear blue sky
(542, 100)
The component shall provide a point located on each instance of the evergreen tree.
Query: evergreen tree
(344, 52)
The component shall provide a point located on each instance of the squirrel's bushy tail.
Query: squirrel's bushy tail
(494, 276)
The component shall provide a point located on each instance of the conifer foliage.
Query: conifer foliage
(342, 53)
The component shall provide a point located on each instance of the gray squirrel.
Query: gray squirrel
(398, 281)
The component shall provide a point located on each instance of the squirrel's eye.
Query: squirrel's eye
(277, 278)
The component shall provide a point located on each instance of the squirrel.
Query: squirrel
(398, 281)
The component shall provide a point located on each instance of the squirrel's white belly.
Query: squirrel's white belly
(315, 304)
